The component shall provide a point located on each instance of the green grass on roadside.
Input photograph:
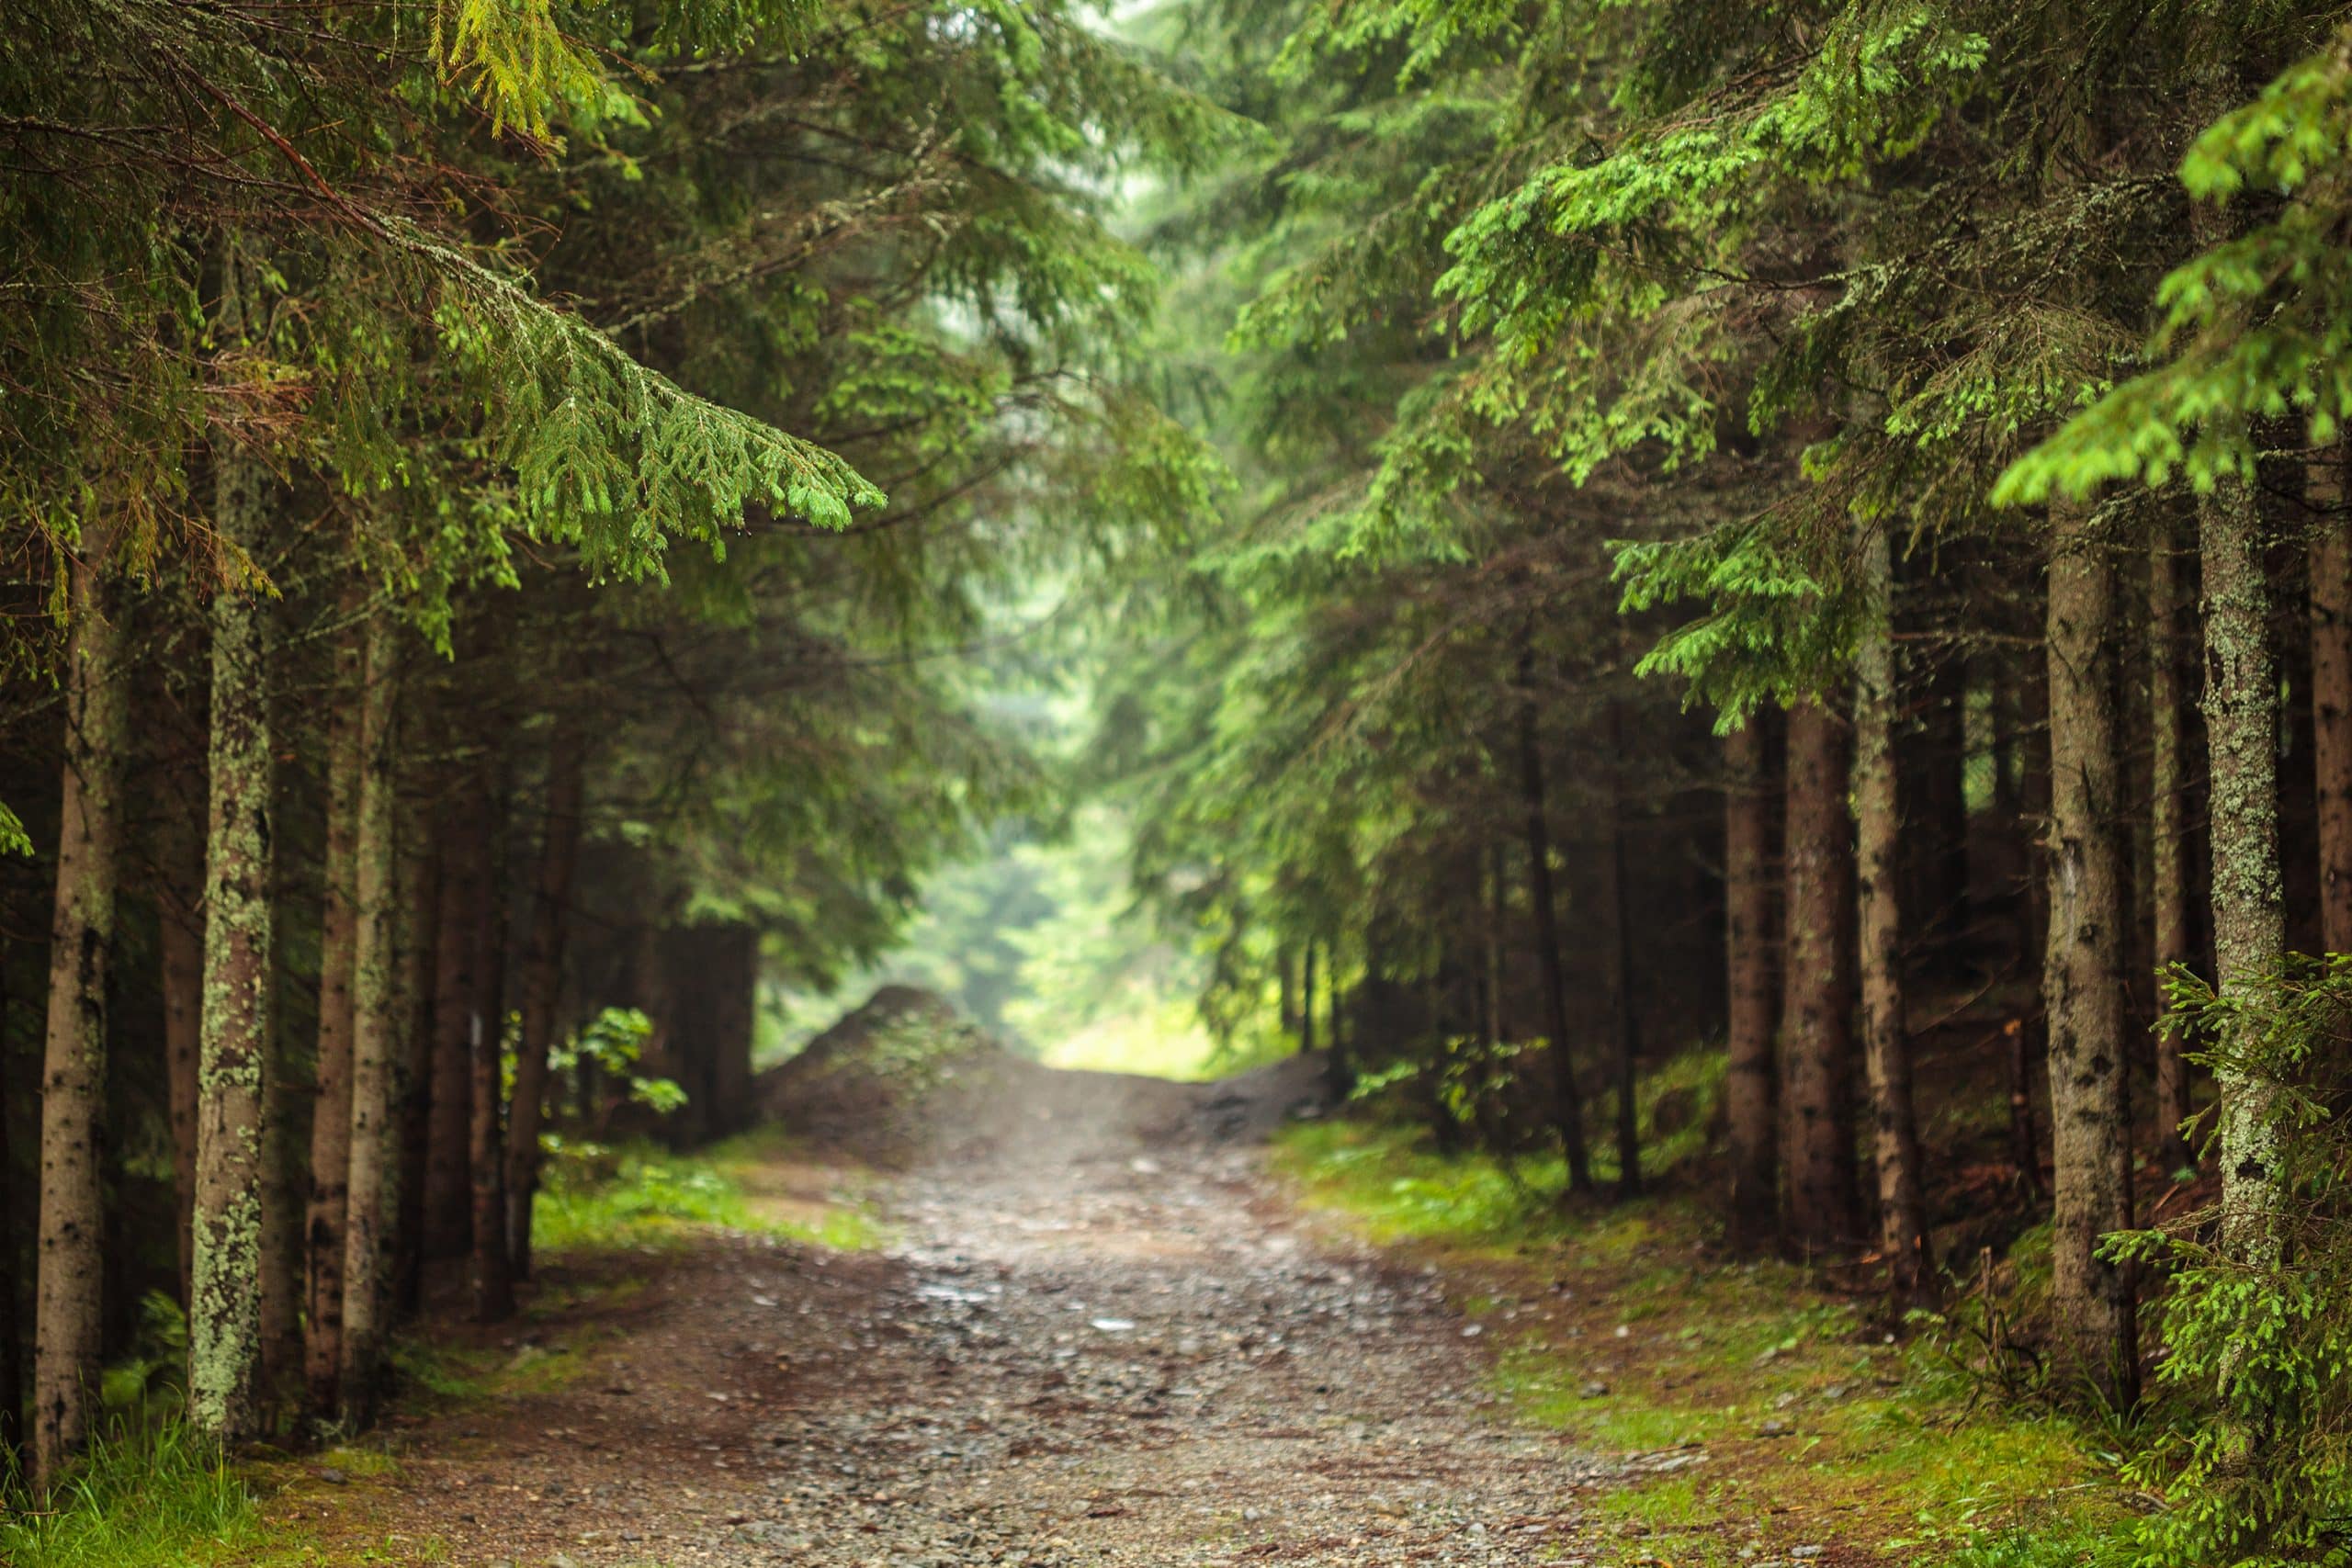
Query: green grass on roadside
(642, 1197)
(150, 1494)
(1620, 1327)
(153, 1495)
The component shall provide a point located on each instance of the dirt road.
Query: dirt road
(1098, 1337)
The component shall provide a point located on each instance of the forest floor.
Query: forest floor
(1086, 1324)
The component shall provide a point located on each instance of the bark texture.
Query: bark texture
(1816, 1046)
(331, 1110)
(448, 1190)
(66, 1314)
(2249, 915)
(2082, 991)
(179, 943)
(225, 1320)
(1886, 1044)
(542, 990)
(378, 1017)
(493, 1277)
(1752, 976)
(2331, 574)
(2168, 830)
(1625, 1029)
(1567, 1104)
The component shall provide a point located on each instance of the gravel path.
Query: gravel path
(1098, 1340)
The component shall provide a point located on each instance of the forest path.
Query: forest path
(1097, 1337)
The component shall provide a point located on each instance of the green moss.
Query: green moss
(1619, 1327)
(644, 1198)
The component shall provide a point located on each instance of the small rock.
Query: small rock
(332, 1476)
(1773, 1429)
(1804, 1553)
(1594, 1390)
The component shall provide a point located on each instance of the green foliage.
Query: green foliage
(598, 1199)
(2257, 327)
(150, 1492)
(2257, 1467)
(615, 1042)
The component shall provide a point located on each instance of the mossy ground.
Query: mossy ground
(151, 1495)
(1823, 1422)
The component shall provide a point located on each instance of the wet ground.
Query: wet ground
(1098, 1335)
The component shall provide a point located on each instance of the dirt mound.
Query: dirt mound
(905, 1076)
(860, 1084)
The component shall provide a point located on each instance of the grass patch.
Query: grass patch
(149, 1494)
(466, 1374)
(1620, 1328)
(645, 1198)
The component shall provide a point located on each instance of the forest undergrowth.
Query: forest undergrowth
(152, 1493)
(1773, 1416)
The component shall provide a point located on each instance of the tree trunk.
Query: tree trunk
(377, 1021)
(1816, 1100)
(1567, 1108)
(1497, 911)
(67, 1317)
(1626, 1024)
(448, 1190)
(542, 989)
(2331, 574)
(1286, 983)
(420, 904)
(1752, 986)
(1887, 1044)
(1307, 1002)
(493, 1279)
(2249, 918)
(285, 1201)
(12, 1366)
(2082, 993)
(2168, 878)
(225, 1320)
(735, 1007)
(179, 962)
(331, 1111)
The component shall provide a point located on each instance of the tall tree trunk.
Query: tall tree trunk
(179, 944)
(448, 1189)
(2241, 746)
(1568, 1106)
(225, 1321)
(420, 905)
(2249, 917)
(66, 1320)
(2331, 574)
(1626, 1024)
(12, 1270)
(1307, 1002)
(542, 988)
(493, 1279)
(2168, 834)
(1752, 985)
(735, 1007)
(1497, 911)
(377, 1021)
(285, 1202)
(1339, 1073)
(1817, 1047)
(1286, 983)
(1887, 1042)
(2090, 1124)
(331, 1112)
